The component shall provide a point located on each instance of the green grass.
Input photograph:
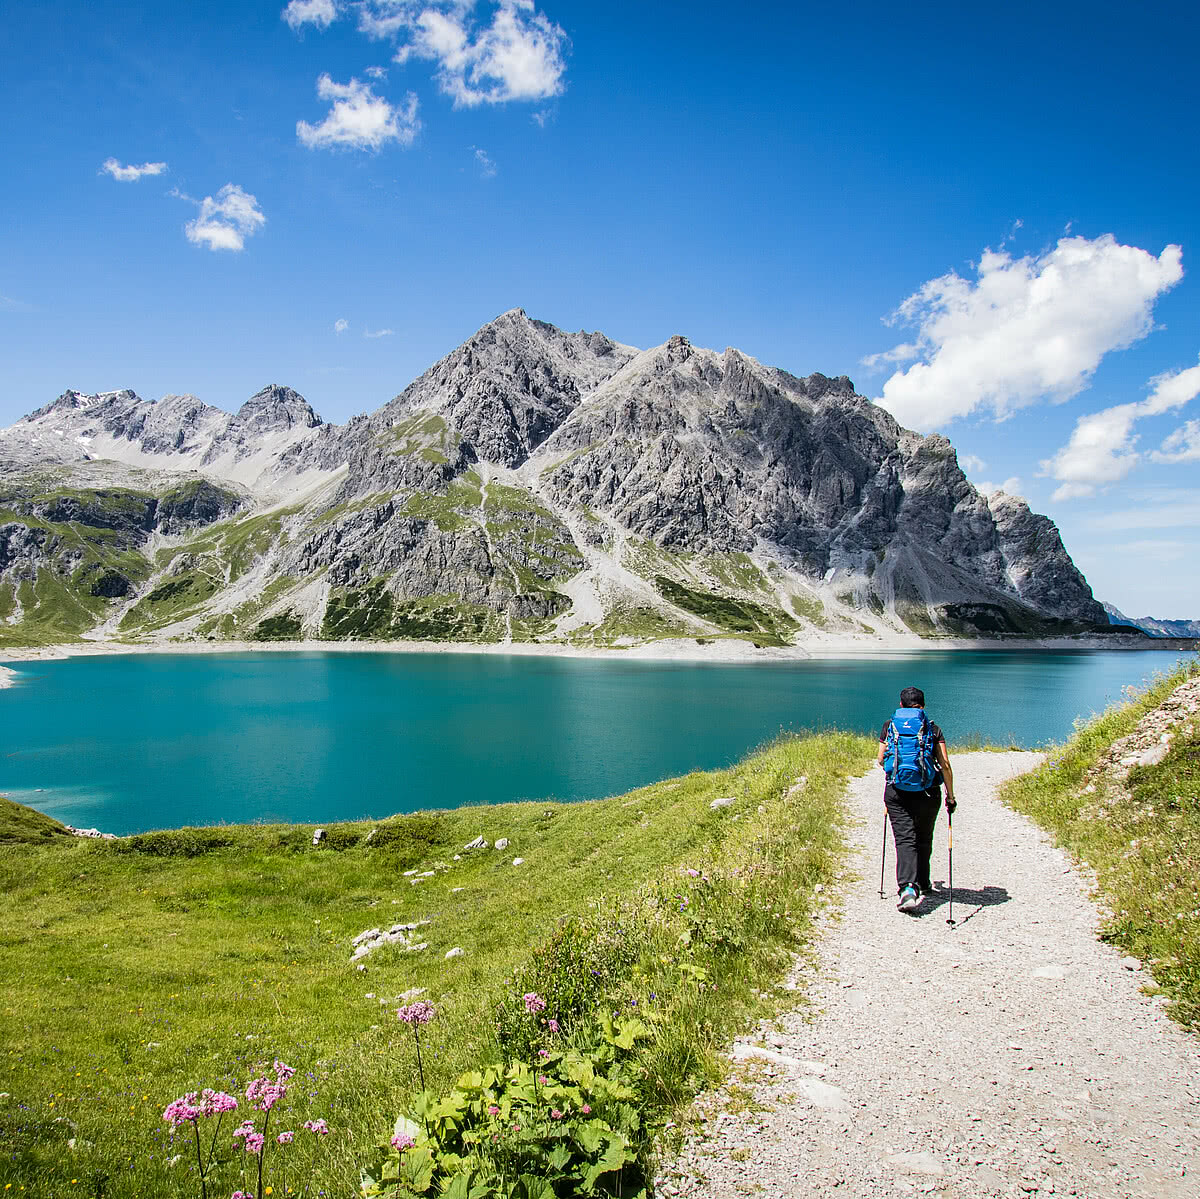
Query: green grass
(809, 607)
(443, 510)
(20, 825)
(283, 626)
(764, 626)
(1144, 845)
(736, 571)
(140, 969)
(639, 622)
(372, 613)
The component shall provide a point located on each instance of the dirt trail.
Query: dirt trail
(1011, 1055)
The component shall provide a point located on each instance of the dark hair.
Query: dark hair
(912, 697)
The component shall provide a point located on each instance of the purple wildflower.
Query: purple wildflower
(534, 1002)
(317, 1126)
(417, 1013)
(285, 1138)
(402, 1141)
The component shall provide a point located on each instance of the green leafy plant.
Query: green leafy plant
(565, 1124)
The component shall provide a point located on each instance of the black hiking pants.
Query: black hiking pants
(913, 815)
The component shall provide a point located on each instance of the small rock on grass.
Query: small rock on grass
(456, 952)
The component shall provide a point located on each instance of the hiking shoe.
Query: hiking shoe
(910, 900)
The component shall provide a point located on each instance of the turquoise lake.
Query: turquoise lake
(129, 743)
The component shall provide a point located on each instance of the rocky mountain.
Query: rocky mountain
(533, 483)
(1153, 625)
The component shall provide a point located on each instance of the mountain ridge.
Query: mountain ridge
(532, 483)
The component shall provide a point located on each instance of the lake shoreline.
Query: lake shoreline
(722, 651)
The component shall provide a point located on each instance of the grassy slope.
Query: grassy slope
(20, 825)
(131, 977)
(1143, 842)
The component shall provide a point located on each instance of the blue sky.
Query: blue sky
(1019, 185)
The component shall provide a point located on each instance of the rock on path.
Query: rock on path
(1012, 1055)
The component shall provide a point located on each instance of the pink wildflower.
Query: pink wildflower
(285, 1138)
(543, 1053)
(402, 1141)
(586, 1109)
(493, 1110)
(543, 1081)
(552, 1025)
(317, 1126)
(183, 1111)
(265, 1094)
(534, 1002)
(555, 1114)
(243, 1130)
(693, 873)
(283, 1071)
(420, 1012)
(254, 1142)
(243, 1195)
(216, 1103)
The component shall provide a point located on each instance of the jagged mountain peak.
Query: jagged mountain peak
(509, 385)
(72, 401)
(277, 407)
(529, 454)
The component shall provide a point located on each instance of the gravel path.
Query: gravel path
(1011, 1055)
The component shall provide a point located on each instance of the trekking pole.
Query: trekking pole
(883, 857)
(950, 840)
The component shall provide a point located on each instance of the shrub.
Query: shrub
(564, 1124)
(583, 962)
(175, 843)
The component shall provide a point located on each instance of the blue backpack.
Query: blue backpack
(908, 758)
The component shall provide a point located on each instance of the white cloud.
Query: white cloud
(321, 13)
(377, 72)
(131, 174)
(1010, 486)
(1181, 446)
(970, 462)
(487, 168)
(379, 333)
(341, 325)
(226, 222)
(519, 55)
(905, 352)
(1102, 446)
(1025, 329)
(359, 119)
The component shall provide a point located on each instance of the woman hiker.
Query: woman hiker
(912, 752)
